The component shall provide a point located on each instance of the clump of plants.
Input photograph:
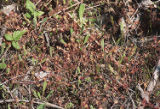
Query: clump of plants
(14, 38)
(32, 11)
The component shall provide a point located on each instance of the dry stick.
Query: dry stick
(153, 82)
(1, 57)
(93, 6)
(17, 77)
(38, 2)
(67, 8)
(144, 94)
(46, 103)
(133, 103)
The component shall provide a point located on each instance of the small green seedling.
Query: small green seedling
(102, 44)
(41, 106)
(91, 107)
(33, 12)
(37, 94)
(80, 13)
(69, 105)
(86, 39)
(44, 87)
(2, 66)
(14, 38)
(71, 31)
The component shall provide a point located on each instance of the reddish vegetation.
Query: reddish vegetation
(82, 74)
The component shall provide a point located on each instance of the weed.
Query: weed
(3, 65)
(92, 53)
(81, 12)
(69, 105)
(33, 12)
(15, 37)
(86, 39)
(102, 44)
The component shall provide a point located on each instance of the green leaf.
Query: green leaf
(18, 34)
(88, 79)
(44, 20)
(98, 68)
(71, 2)
(3, 66)
(44, 86)
(8, 70)
(30, 6)
(86, 39)
(50, 94)
(64, 2)
(9, 107)
(38, 13)
(69, 105)
(79, 82)
(112, 69)
(158, 93)
(41, 106)
(51, 51)
(39, 95)
(35, 15)
(78, 70)
(92, 20)
(27, 15)
(122, 57)
(35, 93)
(15, 45)
(71, 31)
(81, 11)
(62, 41)
(91, 107)
(35, 19)
(8, 37)
(102, 44)
(3, 46)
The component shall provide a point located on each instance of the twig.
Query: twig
(153, 82)
(38, 2)
(17, 77)
(133, 103)
(94, 6)
(19, 100)
(67, 8)
(144, 94)
(1, 57)
(49, 104)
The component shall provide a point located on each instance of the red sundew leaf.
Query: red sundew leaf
(125, 86)
(44, 68)
(75, 26)
(82, 78)
(134, 70)
(58, 78)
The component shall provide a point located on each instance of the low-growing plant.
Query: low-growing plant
(69, 105)
(80, 13)
(15, 37)
(102, 44)
(86, 39)
(41, 106)
(3, 65)
(41, 95)
(33, 12)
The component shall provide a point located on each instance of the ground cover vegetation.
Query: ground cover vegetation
(78, 54)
